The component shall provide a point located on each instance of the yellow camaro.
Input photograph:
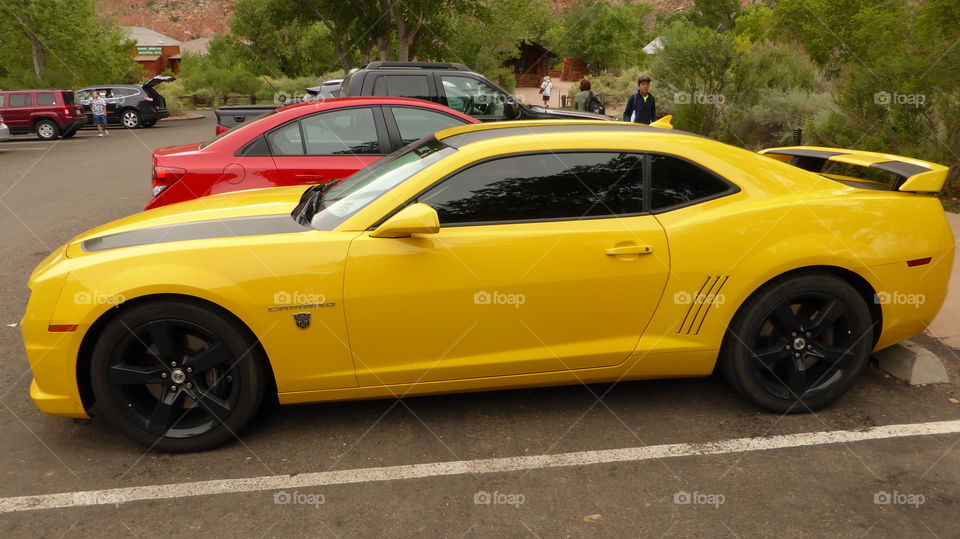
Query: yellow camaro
(494, 256)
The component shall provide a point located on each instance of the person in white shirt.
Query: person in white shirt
(98, 107)
(545, 88)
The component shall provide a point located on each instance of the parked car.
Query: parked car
(4, 130)
(301, 144)
(453, 85)
(131, 106)
(230, 116)
(50, 114)
(328, 90)
(517, 254)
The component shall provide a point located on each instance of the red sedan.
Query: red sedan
(302, 144)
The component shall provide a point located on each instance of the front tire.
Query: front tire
(177, 376)
(130, 119)
(798, 343)
(47, 130)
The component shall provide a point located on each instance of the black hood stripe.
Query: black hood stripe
(199, 230)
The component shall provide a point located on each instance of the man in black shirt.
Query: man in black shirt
(641, 106)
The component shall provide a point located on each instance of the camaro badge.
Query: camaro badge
(302, 320)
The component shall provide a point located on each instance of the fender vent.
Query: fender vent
(700, 304)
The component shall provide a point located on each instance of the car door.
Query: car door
(544, 262)
(16, 113)
(327, 146)
(408, 124)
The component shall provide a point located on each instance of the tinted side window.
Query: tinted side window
(675, 181)
(20, 100)
(541, 186)
(46, 99)
(67, 98)
(414, 124)
(402, 86)
(286, 140)
(345, 131)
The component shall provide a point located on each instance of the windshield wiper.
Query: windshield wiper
(312, 201)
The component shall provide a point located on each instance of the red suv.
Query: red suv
(48, 113)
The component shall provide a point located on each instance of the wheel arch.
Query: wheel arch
(858, 282)
(38, 119)
(85, 353)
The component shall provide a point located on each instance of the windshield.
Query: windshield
(345, 199)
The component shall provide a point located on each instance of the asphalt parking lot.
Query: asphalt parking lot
(663, 458)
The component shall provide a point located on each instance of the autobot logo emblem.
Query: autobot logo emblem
(302, 320)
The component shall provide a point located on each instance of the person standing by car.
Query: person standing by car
(586, 100)
(545, 88)
(98, 107)
(641, 106)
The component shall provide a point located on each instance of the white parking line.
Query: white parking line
(464, 467)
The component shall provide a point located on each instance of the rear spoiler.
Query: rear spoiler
(914, 175)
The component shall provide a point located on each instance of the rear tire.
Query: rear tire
(798, 344)
(130, 119)
(47, 130)
(177, 376)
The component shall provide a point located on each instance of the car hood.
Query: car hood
(241, 213)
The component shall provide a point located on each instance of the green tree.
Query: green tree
(61, 43)
(606, 36)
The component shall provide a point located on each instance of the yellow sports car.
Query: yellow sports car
(494, 256)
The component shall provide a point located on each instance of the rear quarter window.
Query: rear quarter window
(676, 182)
(46, 99)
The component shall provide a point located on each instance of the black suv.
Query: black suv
(129, 105)
(453, 85)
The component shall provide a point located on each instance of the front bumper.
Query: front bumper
(53, 361)
(52, 355)
(4, 132)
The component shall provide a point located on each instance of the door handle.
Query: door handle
(630, 250)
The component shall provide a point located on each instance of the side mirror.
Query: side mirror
(414, 219)
(511, 109)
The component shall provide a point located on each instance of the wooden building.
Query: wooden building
(154, 51)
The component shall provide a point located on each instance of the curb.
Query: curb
(912, 363)
(182, 117)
